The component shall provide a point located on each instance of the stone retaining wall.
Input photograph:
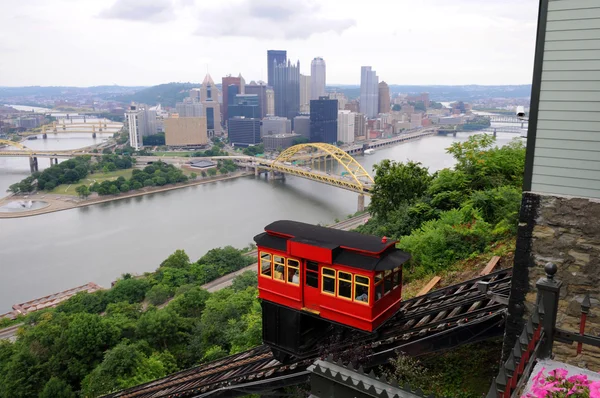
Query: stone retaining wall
(565, 231)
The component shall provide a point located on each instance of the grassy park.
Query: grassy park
(69, 189)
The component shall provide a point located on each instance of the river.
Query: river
(44, 254)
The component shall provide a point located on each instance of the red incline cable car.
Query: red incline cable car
(311, 276)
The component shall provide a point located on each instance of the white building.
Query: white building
(142, 123)
(270, 101)
(341, 99)
(369, 92)
(305, 94)
(345, 132)
(317, 78)
(276, 125)
(189, 109)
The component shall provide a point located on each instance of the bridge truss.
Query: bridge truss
(355, 177)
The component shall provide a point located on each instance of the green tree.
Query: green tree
(158, 294)
(397, 183)
(131, 290)
(113, 190)
(82, 190)
(57, 388)
(179, 259)
(245, 280)
(193, 176)
(212, 172)
(191, 303)
(159, 327)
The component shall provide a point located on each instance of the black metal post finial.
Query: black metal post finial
(551, 270)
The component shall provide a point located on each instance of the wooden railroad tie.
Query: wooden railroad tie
(429, 286)
(490, 266)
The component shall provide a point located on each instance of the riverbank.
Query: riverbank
(57, 202)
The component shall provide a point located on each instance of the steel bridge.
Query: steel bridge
(311, 161)
(33, 154)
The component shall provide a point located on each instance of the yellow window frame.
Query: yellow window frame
(338, 279)
(334, 277)
(270, 267)
(294, 267)
(284, 272)
(367, 285)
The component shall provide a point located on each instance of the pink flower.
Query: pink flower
(539, 378)
(579, 379)
(558, 374)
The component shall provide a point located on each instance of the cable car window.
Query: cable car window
(312, 266)
(328, 281)
(397, 277)
(293, 272)
(278, 267)
(388, 282)
(265, 264)
(361, 289)
(378, 292)
(345, 285)
(378, 277)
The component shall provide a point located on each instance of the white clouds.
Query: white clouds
(140, 10)
(267, 19)
(94, 42)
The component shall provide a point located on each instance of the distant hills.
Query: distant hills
(448, 93)
(170, 93)
(166, 94)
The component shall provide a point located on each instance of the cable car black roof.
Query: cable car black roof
(346, 246)
(348, 239)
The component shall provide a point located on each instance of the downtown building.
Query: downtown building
(189, 109)
(286, 85)
(369, 92)
(384, 98)
(186, 131)
(324, 120)
(274, 58)
(231, 86)
(244, 131)
(260, 90)
(246, 105)
(305, 93)
(317, 78)
(209, 97)
(345, 131)
(141, 122)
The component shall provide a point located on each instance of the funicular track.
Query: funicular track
(444, 318)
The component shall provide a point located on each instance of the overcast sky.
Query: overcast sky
(147, 42)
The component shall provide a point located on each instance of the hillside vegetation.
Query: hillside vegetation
(165, 94)
(97, 343)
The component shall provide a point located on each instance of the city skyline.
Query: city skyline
(126, 42)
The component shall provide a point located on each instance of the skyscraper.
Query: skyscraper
(209, 96)
(230, 93)
(270, 94)
(274, 57)
(261, 91)
(141, 122)
(345, 132)
(369, 92)
(317, 78)
(384, 98)
(286, 84)
(323, 120)
(305, 93)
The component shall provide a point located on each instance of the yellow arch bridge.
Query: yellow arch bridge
(311, 161)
